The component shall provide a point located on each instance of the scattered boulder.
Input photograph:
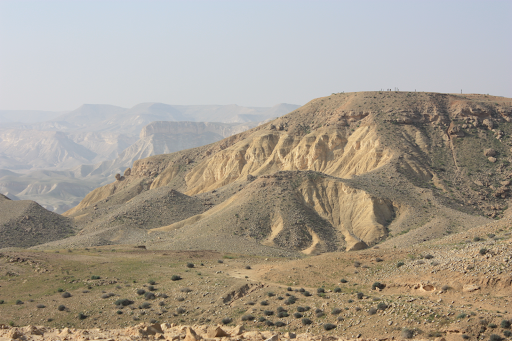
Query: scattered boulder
(128, 171)
(152, 329)
(274, 337)
(14, 334)
(490, 152)
(290, 335)
(488, 123)
(119, 177)
(455, 130)
(492, 159)
(237, 330)
(502, 192)
(216, 332)
(191, 335)
(470, 288)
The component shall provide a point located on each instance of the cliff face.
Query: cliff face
(357, 169)
(330, 151)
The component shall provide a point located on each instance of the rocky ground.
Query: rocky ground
(252, 231)
(455, 288)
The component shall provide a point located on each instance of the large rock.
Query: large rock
(216, 332)
(191, 335)
(455, 130)
(488, 123)
(470, 287)
(490, 152)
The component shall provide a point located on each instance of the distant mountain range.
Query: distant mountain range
(81, 149)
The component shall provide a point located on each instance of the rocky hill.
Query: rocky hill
(25, 223)
(343, 172)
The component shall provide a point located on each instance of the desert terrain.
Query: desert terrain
(372, 215)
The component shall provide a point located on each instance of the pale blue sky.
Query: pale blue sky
(57, 55)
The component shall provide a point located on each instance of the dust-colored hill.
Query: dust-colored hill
(341, 173)
(25, 223)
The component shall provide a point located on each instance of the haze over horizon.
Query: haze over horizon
(58, 55)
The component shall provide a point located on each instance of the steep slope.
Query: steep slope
(25, 223)
(302, 211)
(387, 166)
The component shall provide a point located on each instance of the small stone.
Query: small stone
(470, 287)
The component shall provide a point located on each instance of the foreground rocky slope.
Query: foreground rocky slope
(457, 287)
(343, 172)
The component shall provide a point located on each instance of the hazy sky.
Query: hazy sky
(57, 55)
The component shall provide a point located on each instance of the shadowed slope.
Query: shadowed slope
(25, 223)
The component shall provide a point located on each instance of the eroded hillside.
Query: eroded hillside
(341, 173)
(24, 223)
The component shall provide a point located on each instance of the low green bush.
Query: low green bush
(306, 321)
(329, 326)
(123, 302)
(382, 306)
